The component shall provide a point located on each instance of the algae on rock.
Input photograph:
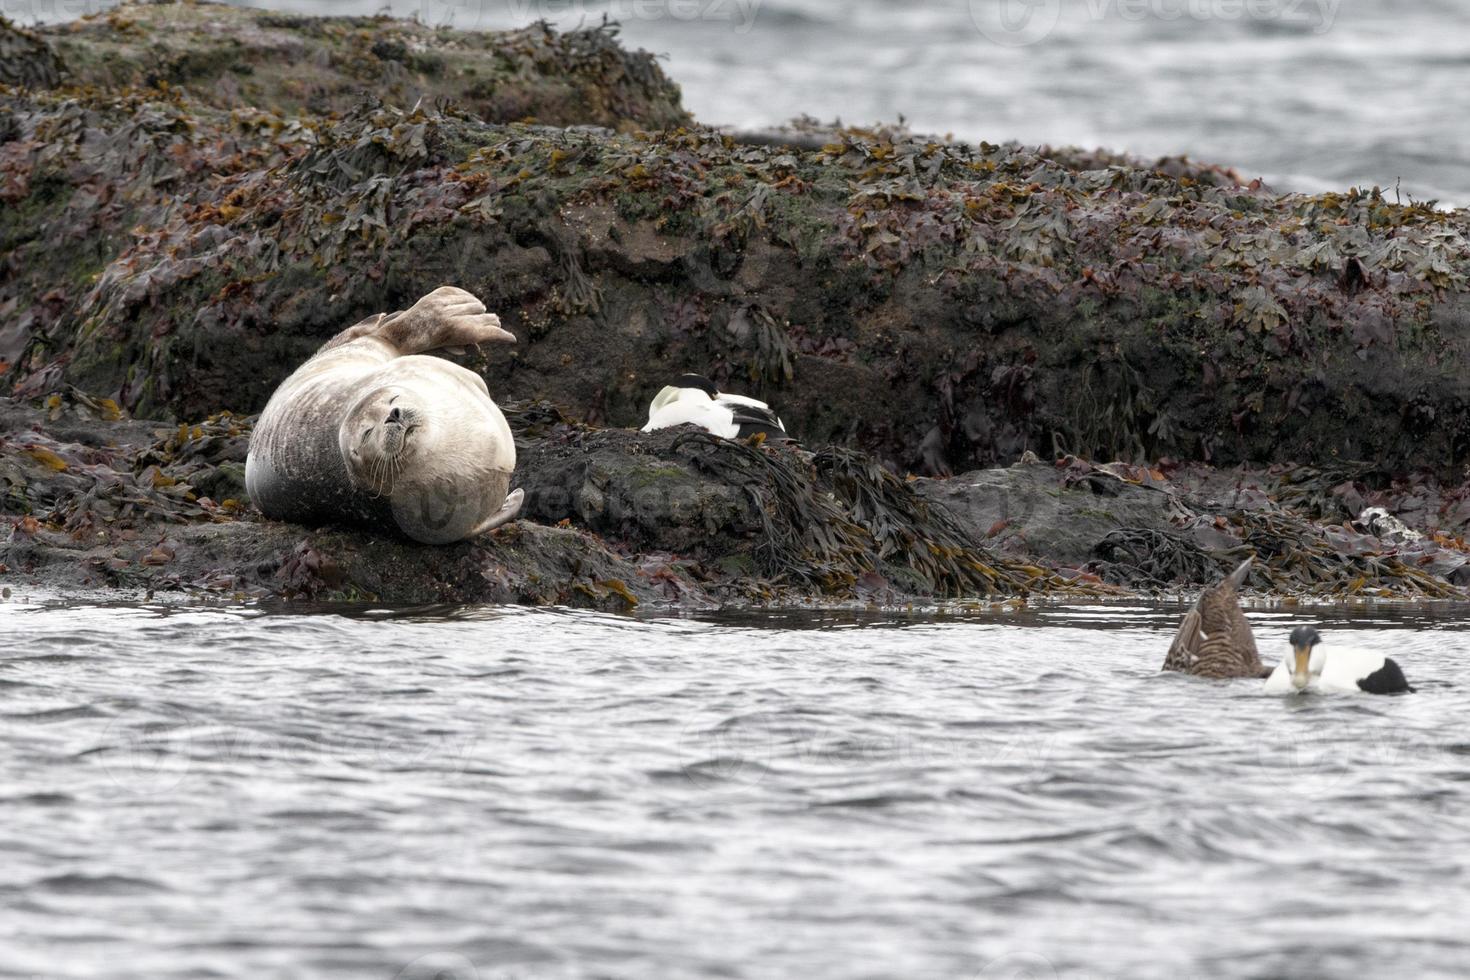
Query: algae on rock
(237, 57)
(986, 299)
(26, 60)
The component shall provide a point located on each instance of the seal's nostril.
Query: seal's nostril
(395, 415)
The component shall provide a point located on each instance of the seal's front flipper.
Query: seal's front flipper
(507, 512)
(447, 317)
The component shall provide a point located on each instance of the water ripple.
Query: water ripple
(277, 792)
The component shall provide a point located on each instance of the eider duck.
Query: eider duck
(1336, 670)
(1214, 640)
(694, 399)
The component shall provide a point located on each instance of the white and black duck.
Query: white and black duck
(1334, 669)
(694, 400)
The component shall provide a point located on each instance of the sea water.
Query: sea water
(472, 793)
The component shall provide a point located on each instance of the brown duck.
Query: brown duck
(1215, 640)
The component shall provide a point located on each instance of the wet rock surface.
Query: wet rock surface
(1152, 530)
(183, 221)
(616, 519)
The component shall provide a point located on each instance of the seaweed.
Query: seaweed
(26, 60)
(1298, 556)
(807, 538)
(921, 536)
(230, 58)
(997, 297)
(1153, 558)
(836, 518)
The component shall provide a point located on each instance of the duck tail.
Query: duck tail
(1237, 578)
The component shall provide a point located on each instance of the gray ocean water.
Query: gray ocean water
(467, 794)
(1310, 94)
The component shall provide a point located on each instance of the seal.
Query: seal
(373, 431)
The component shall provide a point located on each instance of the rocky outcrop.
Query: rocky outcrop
(987, 300)
(616, 519)
(26, 60)
(232, 57)
(1312, 531)
(195, 197)
(613, 519)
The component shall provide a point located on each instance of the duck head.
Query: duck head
(691, 386)
(1303, 638)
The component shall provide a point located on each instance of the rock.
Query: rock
(988, 300)
(615, 519)
(232, 57)
(1027, 510)
(26, 60)
(193, 197)
(1142, 529)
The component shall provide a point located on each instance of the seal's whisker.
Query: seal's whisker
(375, 475)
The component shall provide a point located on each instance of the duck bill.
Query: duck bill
(1301, 657)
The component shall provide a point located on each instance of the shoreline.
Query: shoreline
(619, 521)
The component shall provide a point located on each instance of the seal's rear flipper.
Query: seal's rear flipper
(507, 512)
(362, 328)
(447, 317)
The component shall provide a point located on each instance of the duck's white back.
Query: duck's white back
(1345, 666)
(1334, 671)
(693, 406)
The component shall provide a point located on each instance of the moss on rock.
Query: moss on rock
(987, 299)
(237, 57)
(26, 60)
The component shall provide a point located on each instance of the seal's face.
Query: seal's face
(431, 445)
(380, 437)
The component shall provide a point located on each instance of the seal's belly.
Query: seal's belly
(311, 495)
(294, 470)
